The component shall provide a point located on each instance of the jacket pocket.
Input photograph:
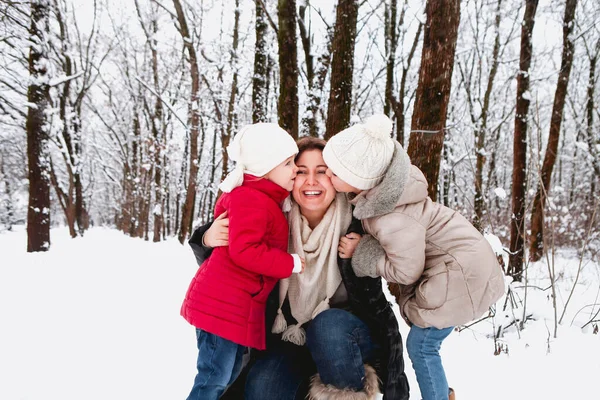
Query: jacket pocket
(432, 291)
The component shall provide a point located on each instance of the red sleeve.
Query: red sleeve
(248, 224)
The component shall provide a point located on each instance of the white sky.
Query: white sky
(97, 318)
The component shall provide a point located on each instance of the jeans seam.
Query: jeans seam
(426, 361)
(357, 353)
(213, 346)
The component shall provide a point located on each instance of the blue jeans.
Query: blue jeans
(423, 346)
(337, 345)
(219, 364)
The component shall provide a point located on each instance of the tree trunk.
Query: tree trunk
(391, 44)
(158, 133)
(70, 111)
(194, 109)
(433, 92)
(231, 113)
(259, 79)
(519, 174)
(287, 108)
(342, 68)
(38, 94)
(9, 221)
(481, 132)
(592, 139)
(315, 76)
(536, 240)
(400, 107)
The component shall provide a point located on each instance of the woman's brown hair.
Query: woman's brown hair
(309, 143)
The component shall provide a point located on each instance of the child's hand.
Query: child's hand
(348, 244)
(303, 265)
(218, 233)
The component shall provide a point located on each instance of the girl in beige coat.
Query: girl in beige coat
(446, 273)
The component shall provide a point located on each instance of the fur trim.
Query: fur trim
(366, 255)
(383, 198)
(320, 391)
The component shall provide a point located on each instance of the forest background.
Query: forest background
(118, 113)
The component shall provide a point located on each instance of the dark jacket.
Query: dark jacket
(366, 300)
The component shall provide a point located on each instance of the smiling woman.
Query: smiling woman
(317, 316)
(313, 191)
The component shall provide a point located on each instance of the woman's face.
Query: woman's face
(313, 190)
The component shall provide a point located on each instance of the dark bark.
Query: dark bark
(342, 68)
(519, 174)
(287, 108)
(536, 244)
(433, 91)
(38, 93)
(259, 79)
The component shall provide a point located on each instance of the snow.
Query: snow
(500, 192)
(98, 318)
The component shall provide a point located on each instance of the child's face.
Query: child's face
(284, 174)
(340, 185)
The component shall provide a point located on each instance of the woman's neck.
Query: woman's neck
(313, 217)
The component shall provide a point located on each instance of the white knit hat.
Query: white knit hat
(360, 155)
(257, 149)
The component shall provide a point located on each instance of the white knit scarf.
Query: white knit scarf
(310, 291)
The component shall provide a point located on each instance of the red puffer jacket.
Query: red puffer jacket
(227, 296)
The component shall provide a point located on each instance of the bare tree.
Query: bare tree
(393, 104)
(433, 91)
(38, 96)
(227, 133)
(288, 67)
(519, 173)
(536, 245)
(342, 68)
(80, 73)
(188, 45)
(592, 140)
(391, 46)
(157, 125)
(316, 72)
(261, 71)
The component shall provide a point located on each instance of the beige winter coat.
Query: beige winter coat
(446, 270)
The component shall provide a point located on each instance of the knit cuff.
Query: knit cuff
(297, 264)
(366, 255)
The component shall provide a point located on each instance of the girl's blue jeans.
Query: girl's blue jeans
(423, 347)
(219, 364)
(337, 345)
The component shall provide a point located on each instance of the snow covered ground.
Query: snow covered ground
(98, 318)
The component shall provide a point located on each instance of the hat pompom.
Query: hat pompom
(378, 126)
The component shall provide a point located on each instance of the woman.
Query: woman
(336, 334)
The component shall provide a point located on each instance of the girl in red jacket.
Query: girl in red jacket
(227, 297)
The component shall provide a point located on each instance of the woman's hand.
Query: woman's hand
(218, 233)
(348, 244)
